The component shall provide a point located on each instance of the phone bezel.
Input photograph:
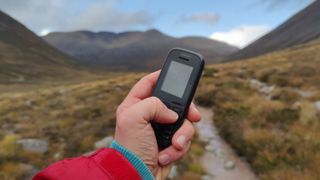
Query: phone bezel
(188, 58)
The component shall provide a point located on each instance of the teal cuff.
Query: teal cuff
(142, 169)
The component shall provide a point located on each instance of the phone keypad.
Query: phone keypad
(164, 132)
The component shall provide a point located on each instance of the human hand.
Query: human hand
(134, 131)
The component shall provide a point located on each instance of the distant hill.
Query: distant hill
(132, 50)
(301, 28)
(25, 57)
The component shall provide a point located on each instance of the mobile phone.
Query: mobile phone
(175, 87)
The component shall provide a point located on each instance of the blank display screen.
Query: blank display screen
(176, 79)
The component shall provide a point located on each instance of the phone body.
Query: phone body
(175, 87)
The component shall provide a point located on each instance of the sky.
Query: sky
(232, 21)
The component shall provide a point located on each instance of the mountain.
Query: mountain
(301, 28)
(132, 50)
(26, 57)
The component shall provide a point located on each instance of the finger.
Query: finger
(163, 172)
(183, 136)
(171, 154)
(193, 113)
(141, 90)
(152, 108)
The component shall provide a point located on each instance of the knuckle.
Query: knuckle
(159, 106)
(154, 100)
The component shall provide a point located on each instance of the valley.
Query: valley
(260, 105)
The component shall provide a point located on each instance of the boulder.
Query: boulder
(34, 145)
(229, 165)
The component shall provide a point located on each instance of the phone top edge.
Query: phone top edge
(188, 51)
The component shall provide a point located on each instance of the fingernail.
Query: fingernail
(181, 140)
(174, 114)
(164, 159)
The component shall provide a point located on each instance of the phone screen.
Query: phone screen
(176, 79)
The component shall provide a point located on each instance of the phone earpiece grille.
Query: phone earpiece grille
(183, 58)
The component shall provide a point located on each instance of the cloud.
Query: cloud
(209, 18)
(60, 15)
(101, 16)
(242, 35)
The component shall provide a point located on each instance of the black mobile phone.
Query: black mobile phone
(175, 87)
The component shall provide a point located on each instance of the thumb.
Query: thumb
(153, 108)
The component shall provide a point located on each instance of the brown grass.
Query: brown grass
(279, 136)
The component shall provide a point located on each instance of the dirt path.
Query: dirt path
(219, 161)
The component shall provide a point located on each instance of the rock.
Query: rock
(317, 107)
(305, 94)
(263, 88)
(296, 105)
(229, 165)
(255, 84)
(173, 172)
(57, 155)
(210, 148)
(21, 78)
(266, 89)
(105, 142)
(29, 103)
(34, 145)
(118, 87)
(220, 154)
(207, 177)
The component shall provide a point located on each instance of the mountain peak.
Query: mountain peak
(134, 50)
(301, 28)
(155, 31)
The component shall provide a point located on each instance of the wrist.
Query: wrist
(140, 166)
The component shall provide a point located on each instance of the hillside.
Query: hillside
(24, 57)
(268, 109)
(49, 122)
(132, 50)
(301, 28)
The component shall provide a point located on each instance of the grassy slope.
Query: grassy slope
(26, 58)
(70, 117)
(278, 137)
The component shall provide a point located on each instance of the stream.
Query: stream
(219, 161)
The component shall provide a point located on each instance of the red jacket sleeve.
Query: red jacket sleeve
(106, 164)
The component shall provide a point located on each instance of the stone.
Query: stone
(105, 142)
(210, 148)
(305, 94)
(34, 145)
(296, 105)
(255, 84)
(229, 165)
(29, 103)
(220, 154)
(57, 155)
(207, 177)
(266, 89)
(173, 172)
